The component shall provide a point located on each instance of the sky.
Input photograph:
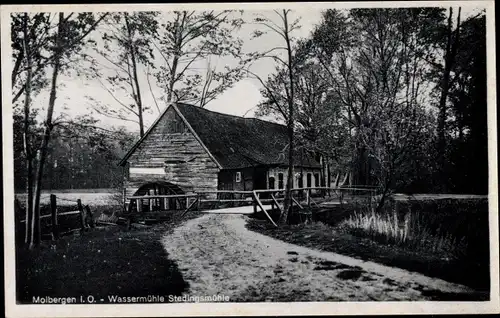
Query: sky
(240, 100)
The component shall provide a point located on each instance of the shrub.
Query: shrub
(452, 228)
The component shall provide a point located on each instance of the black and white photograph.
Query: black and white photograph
(250, 158)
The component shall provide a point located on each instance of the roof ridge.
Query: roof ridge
(266, 121)
(229, 115)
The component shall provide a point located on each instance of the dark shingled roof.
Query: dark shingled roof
(238, 142)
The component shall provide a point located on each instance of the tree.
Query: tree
(86, 155)
(450, 52)
(30, 36)
(375, 62)
(467, 126)
(283, 82)
(127, 47)
(81, 153)
(188, 38)
(26, 131)
(320, 125)
(30, 41)
(65, 43)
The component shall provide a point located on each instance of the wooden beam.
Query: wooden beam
(262, 208)
(129, 215)
(64, 213)
(189, 207)
(311, 200)
(162, 196)
(233, 191)
(106, 223)
(90, 219)
(49, 215)
(82, 218)
(255, 202)
(226, 200)
(297, 202)
(277, 205)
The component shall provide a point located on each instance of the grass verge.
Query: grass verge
(101, 262)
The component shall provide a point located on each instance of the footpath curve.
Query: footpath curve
(218, 255)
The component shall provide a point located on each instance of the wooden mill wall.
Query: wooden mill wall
(227, 179)
(171, 153)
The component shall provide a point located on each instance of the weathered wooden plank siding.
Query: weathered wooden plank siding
(173, 148)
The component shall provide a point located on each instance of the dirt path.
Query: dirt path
(218, 255)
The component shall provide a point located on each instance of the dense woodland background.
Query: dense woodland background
(397, 95)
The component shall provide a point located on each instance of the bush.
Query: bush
(452, 228)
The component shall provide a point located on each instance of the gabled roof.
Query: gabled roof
(237, 142)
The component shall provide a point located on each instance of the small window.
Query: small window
(238, 176)
(280, 181)
(271, 182)
(309, 183)
(316, 179)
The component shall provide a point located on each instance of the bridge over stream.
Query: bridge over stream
(267, 202)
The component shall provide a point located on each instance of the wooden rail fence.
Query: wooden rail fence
(82, 213)
(213, 200)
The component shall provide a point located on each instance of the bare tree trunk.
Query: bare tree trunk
(26, 133)
(323, 171)
(451, 48)
(206, 86)
(173, 74)
(388, 179)
(138, 98)
(175, 60)
(285, 217)
(36, 233)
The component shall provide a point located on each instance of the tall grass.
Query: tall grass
(435, 227)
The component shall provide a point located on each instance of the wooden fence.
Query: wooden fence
(81, 218)
(217, 199)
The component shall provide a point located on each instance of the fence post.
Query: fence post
(255, 202)
(90, 217)
(53, 213)
(130, 214)
(82, 218)
(308, 197)
(124, 195)
(138, 202)
(198, 204)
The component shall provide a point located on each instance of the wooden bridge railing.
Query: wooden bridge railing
(257, 198)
